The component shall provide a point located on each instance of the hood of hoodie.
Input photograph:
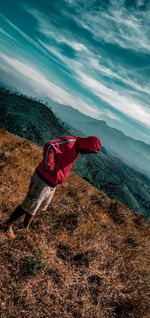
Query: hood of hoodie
(91, 144)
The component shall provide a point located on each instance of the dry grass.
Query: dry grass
(85, 257)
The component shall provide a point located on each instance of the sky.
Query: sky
(92, 55)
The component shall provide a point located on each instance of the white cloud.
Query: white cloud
(129, 77)
(125, 104)
(88, 58)
(6, 34)
(47, 28)
(118, 25)
(23, 34)
(42, 85)
(111, 115)
(94, 65)
(140, 3)
(118, 99)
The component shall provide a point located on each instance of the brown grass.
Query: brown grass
(87, 256)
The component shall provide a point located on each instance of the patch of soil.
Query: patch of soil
(131, 242)
(115, 214)
(67, 221)
(83, 258)
(64, 252)
(123, 309)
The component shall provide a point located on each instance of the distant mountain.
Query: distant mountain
(133, 152)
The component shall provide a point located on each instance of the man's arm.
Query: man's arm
(50, 165)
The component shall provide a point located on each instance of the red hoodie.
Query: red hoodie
(59, 156)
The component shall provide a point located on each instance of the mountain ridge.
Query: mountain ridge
(124, 147)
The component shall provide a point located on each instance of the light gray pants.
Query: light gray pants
(39, 195)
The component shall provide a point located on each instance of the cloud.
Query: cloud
(111, 115)
(5, 34)
(117, 24)
(116, 98)
(120, 99)
(132, 78)
(125, 104)
(87, 57)
(92, 61)
(42, 85)
(23, 34)
(47, 28)
(140, 3)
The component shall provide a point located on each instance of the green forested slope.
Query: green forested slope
(28, 117)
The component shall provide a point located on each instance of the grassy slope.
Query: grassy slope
(84, 258)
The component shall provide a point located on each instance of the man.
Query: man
(59, 157)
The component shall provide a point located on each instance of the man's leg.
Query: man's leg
(17, 214)
(43, 204)
(47, 200)
(27, 220)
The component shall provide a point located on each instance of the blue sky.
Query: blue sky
(93, 55)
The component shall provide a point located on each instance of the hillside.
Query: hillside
(86, 257)
(33, 120)
(28, 117)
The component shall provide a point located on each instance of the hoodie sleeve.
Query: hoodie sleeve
(51, 167)
(50, 160)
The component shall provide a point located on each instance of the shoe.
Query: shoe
(9, 231)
